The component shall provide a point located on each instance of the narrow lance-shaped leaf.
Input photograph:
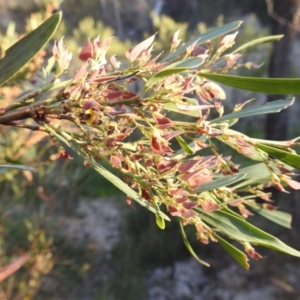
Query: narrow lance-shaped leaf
(19, 167)
(240, 230)
(171, 106)
(259, 41)
(218, 183)
(278, 86)
(254, 170)
(237, 254)
(288, 158)
(276, 144)
(160, 222)
(255, 174)
(26, 48)
(254, 181)
(267, 108)
(279, 217)
(203, 38)
(184, 145)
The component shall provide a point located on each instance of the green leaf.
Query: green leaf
(259, 41)
(254, 181)
(219, 183)
(19, 167)
(174, 68)
(274, 86)
(288, 158)
(255, 170)
(203, 38)
(267, 108)
(189, 247)
(237, 254)
(160, 222)
(186, 148)
(171, 106)
(240, 230)
(26, 48)
(255, 174)
(278, 217)
(47, 70)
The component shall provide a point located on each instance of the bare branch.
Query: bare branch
(13, 267)
(281, 20)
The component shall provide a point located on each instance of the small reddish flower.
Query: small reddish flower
(188, 166)
(293, 183)
(87, 51)
(61, 54)
(163, 122)
(199, 52)
(209, 205)
(181, 199)
(134, 53)
(251, 252)
(231, 59)
(174, 211)
(116, 161)
(61, 155)
(90, 104)
(165, 166)
(189, 204)
(269, 206)
(128, 200)
(86, 164)
(244, 211)
(227, 42)
(146, 195)
(187, 213)
(279, 186)
(176, 41)
(159, 145)
(114, 62)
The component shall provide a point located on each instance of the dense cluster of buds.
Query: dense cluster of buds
(155, 135)
(137, 135)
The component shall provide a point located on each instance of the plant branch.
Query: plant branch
(281, 20)
(25, 126)
(31, 97)
(22, 114)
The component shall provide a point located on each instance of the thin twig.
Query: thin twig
(118, 18)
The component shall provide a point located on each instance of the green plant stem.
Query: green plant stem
(123, 101)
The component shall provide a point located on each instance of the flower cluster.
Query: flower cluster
(156, 120)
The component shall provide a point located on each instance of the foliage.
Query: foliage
(160, 158)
